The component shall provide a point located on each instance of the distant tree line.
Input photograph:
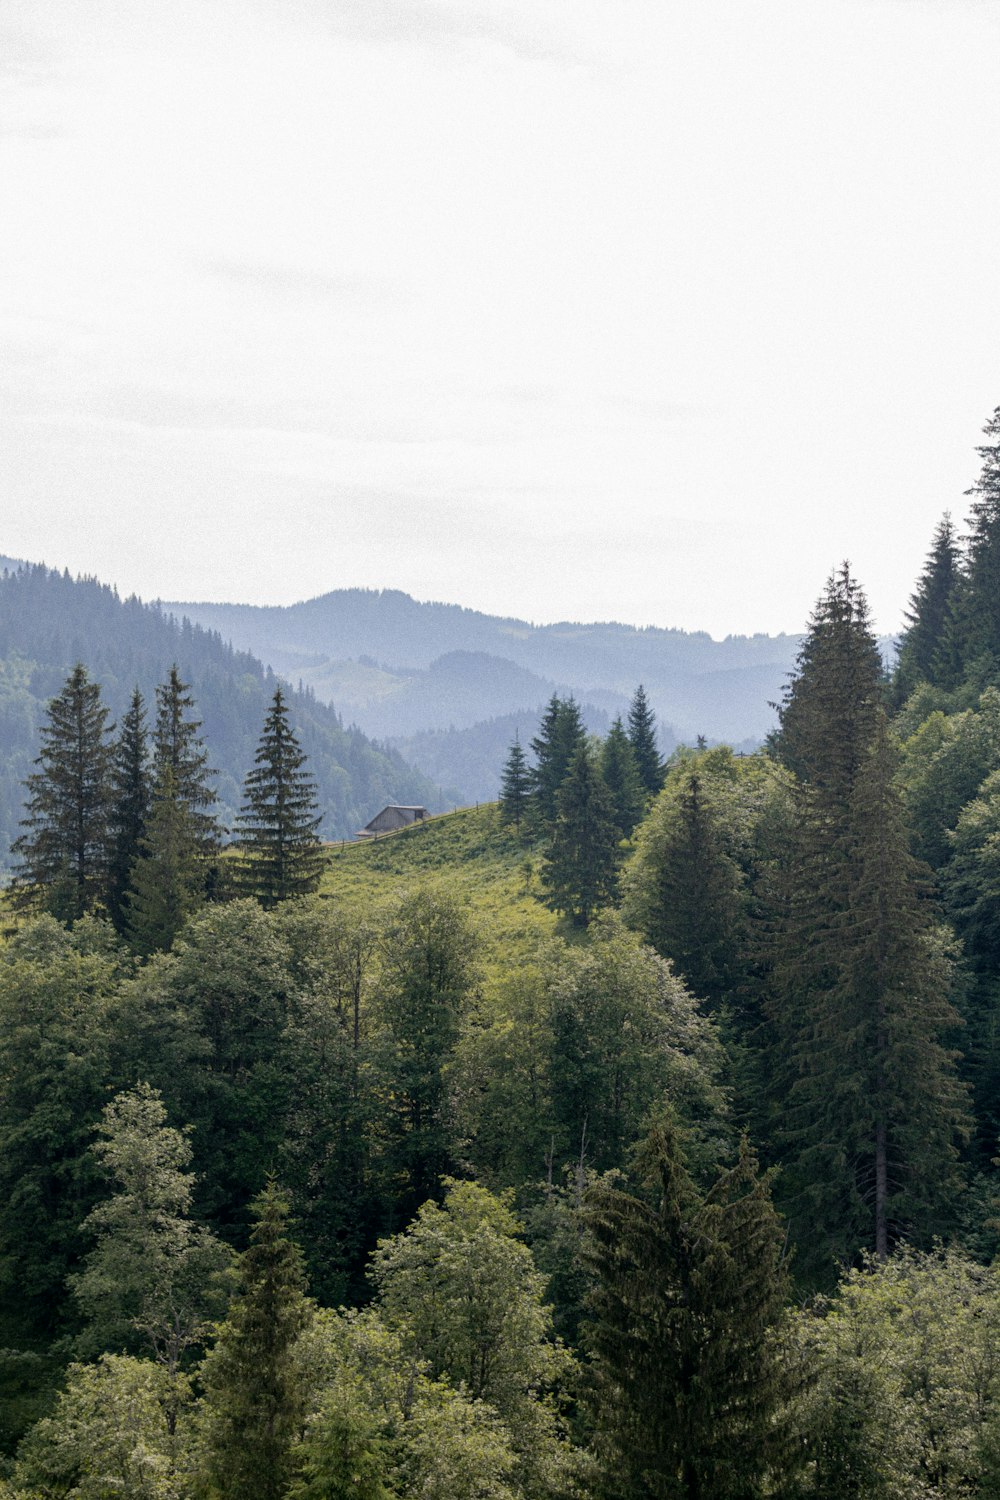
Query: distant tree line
(583, 798)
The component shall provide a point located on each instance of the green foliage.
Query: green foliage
(642, 738)
(945, 761)
(57, 1030)
(277, 826)
(905, 1386)
(515, 787)
(871, 1106)
(255, 1399)
(581, 861)
(686, 1369)
(428, 968)
(620, 771)
(462, 1291)
(154, 1276)
(131, 794)
(62, 855)
(625, 1034)
(925, 649)
(110, 1435)
(560, 736)
(167, 883)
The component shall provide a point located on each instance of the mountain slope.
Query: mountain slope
(49, 621)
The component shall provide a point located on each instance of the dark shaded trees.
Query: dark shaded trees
(515, 787)
(560, 735)
(276, 835)
(61, 858)
(690, 1286)
(642, 738)
(620, 770)
(581, 862)
(255, 1394)
(131, 793)
(930, 619)
(865, 1091)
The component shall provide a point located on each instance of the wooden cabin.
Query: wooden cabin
(392, 818)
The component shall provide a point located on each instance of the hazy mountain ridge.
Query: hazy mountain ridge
(48, 622)
(425, 675)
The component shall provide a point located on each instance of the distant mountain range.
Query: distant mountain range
(449, 686)
(49, 621)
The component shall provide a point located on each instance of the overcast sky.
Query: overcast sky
(651, 310)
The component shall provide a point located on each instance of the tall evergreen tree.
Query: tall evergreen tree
(930, 619)
(177, 862)
(581, 863)
(686, 892)
(621, 775)
(515, 787)
(642, 738)
(61, 858)
(689, 1288)
(179, 748)
(277, 825)
(559, 737)
(254, 1395)
(827, 716)
(131, 793)
(864, 1084)
(979, 606)
(168, 878)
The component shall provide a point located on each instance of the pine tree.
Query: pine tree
(254, 1396)
(61, 858)
(175, 870)
(177, 746)
(870, 1108)
(687, 1376)
(687, 892)
(621, 775)
(168, 879)
(559, 736)
(277, 825)
(515, 785)
(930, 619)
(131, 794)
(582, 859)
(642, 738)
(978, 625)
(827, 717)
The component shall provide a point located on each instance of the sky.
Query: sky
(648, 310)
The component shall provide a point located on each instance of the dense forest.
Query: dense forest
(631, 1138)
(49, 622)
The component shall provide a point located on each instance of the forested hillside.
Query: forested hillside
(634, 1136)
(48, 622)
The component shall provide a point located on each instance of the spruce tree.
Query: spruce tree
(282, 854)
(515, 785)
(178, 851)
(687, 892)
(559, 736)
(254, 1395)
(687, 1377)
(979, 606)
(621, 775)
(168, 879)
(179, 748)
(863, 1083)
(930, 619)
(580, 866)
(61, 858)
(131, 794)
(642, 738)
